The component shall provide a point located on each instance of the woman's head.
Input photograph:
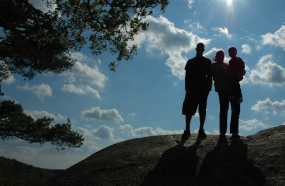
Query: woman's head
(219, 58)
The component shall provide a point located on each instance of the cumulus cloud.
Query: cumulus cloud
(276, 39)
(246, 48)
(252, 125)
(108, 115)
(83, 73)
(85, 132)
(267, 72)
(268, 104)
(40, 91)
(145, 131)
(223, 31)
(80, 89)
(162, 35)
(103, 132)
(40, 114)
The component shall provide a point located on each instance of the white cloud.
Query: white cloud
(40, 114)
(132, 114)
(190, 2)
(215, 132)
(268, 104)
(81, 89)
(246, 49)
(84, 131)
(224, 31)
(82, 72)
(39, 4)
(162, 35)
(108, 115)
(103, 132)
(252, 125)
(145, 131)
(40, 91)
(267, 72)
(276, 39)
(127, 128)
(11, 79)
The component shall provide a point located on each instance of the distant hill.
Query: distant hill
(256, 160)
(13, 172)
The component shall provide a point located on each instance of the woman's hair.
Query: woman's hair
(217, 54)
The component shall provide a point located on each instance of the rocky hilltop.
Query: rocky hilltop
(254, 160)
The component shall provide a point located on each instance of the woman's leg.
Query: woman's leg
(224, 106)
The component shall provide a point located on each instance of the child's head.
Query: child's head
(219, 58)
(232, 52)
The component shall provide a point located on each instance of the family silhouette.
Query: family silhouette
(200, 73)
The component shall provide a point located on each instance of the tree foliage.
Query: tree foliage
(15, 123)
(30, 41)
(33, 41)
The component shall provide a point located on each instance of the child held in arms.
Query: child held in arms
(236, 64)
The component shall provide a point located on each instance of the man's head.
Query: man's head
(232, 52)
(200, 49)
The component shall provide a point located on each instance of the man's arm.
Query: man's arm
(209, 76)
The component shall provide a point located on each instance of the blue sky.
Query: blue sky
(144, 96)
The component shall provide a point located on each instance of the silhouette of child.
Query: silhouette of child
(236, 64)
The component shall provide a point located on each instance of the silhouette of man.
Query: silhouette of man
(198, 83)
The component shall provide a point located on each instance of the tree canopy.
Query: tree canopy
(15, 123)
(33, 41)
(30, 41)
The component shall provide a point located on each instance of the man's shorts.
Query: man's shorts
(192, 100)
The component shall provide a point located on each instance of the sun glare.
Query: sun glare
(229, 2)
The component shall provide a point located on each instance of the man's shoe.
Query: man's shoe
(201, 134)
(235, 136)
(185, 135)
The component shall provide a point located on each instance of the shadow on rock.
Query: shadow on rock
(177, 166)
(228, 165)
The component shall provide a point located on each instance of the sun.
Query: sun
(229, 1)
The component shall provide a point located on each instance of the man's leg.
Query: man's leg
(202, 121)
(186, 134)
(202, 113)
(187, 110)
(188, 121)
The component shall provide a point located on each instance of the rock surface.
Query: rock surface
(254, 160)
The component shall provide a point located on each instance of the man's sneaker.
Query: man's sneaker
(185, 135)
(235, 136)
(201, 134)
(222, 136)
